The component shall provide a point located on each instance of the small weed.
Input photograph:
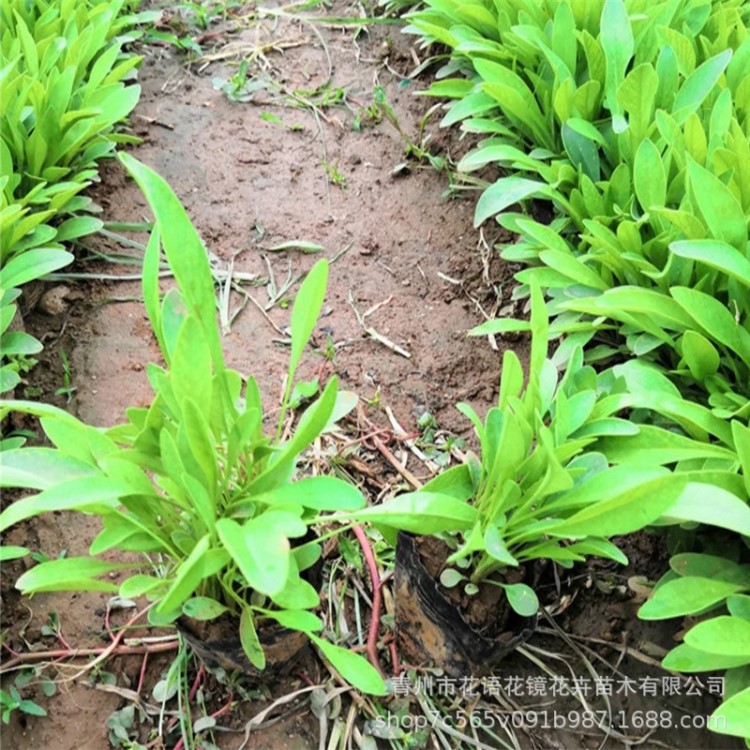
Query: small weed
(276, 120)
(435, 444)
(240, 87)
(367, 117)
(67, 389)
(12, 700)
(334, 175)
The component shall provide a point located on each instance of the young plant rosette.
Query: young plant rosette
(192, 482)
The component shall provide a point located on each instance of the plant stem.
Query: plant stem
(372, 637)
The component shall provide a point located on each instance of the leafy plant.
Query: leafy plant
(561, 472)
(193, 481)
(695, 585)
(640, 137)
(631, 119)
(18, 346)
(12, 700)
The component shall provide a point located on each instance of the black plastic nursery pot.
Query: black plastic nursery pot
(433, 630)
(217, 644)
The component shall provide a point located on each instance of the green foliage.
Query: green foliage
(633, 119)
(62, 72)
(561, 469)
(192, 481)
(12, 700)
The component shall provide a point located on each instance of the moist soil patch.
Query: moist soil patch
(253, 175)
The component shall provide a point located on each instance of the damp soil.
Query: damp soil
(253, 175)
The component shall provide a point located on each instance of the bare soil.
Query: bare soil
(402, 248)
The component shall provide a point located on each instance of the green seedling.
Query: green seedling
(193, 482)
(67, 389)
(334, 175)
(276, 120)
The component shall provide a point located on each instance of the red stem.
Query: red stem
(142, 675)
(372, 637)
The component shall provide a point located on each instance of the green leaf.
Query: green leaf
(68, 574)
(184, 250)
(32, 264)
(305, 313)
(9, 552)
(188, 575)
(522, 598)
(739, 604)
(721, 211)
(700, 355)
(318, 493)
(724, 636)
(494, 545)
(249, 639)
(686, 596)
(699, 84)
(649, 176)
(733, 715)
(450, 578)
(685, 658)
(715, 254)
(261, 552)
(616, 39)
(710, 566)
(203, 608)
(709, 504)
(300, 619)
(41, 468)
(87, 494)
(506, 192)
(741, 437)
(353, 668)
(626, 512)
(421, 513)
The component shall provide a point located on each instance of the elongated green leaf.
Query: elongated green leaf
(649, 176)
(41, 468)
(733, 715)
(184, 250)
(705, 503)
(32, 264)
(421, 513)
(319, 493)
(686, 596)
(616, 37)
(299, 619)
(724, 636)
(721, 211)
(305, 313)
(10, 552)
(68, 574)
(715, 254)
(685, 658)
(699, 84)
(85, 494)
(188, 575)
(353, 668)
(249, 639)
(506, 192)
(624, 513)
